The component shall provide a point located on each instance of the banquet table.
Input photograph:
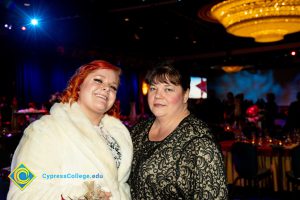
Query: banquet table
(26, 116)
(269, 156)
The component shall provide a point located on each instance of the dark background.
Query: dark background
(39, 61)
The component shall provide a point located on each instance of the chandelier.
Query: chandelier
(263, 20)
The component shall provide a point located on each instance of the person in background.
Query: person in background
(14, 108)
(293, 119)
(229, 106)
(213, 109)
(54, 98)
(80, 150)
(175, 154)
(5, 112)
(271, 112)
(239, 111)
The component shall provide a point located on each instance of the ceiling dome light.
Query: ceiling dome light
(263, 20)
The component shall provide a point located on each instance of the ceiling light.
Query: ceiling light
(145, 88)
(293, 53)
(34, 22)
(263, 20)
(232, 69)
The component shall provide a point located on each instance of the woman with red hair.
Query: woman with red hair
(80, 150)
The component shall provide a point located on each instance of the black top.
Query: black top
(187, 164)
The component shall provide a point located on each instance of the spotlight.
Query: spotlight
(8, 26)
(34, 22)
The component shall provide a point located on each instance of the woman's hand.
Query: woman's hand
(103, 195)
(96, 192)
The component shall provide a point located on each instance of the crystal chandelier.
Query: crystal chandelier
(263, 20)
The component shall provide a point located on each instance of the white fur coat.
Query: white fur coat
(65, 142)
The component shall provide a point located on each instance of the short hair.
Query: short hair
(71, 93)
(165, 74)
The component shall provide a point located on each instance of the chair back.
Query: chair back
(295, 153)
(245, 159)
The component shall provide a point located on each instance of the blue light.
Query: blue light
(34, 22)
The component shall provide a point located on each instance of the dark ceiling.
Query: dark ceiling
(165, 29)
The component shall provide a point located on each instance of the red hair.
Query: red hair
(70, 94)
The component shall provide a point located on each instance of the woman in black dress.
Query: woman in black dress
(175, 155)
